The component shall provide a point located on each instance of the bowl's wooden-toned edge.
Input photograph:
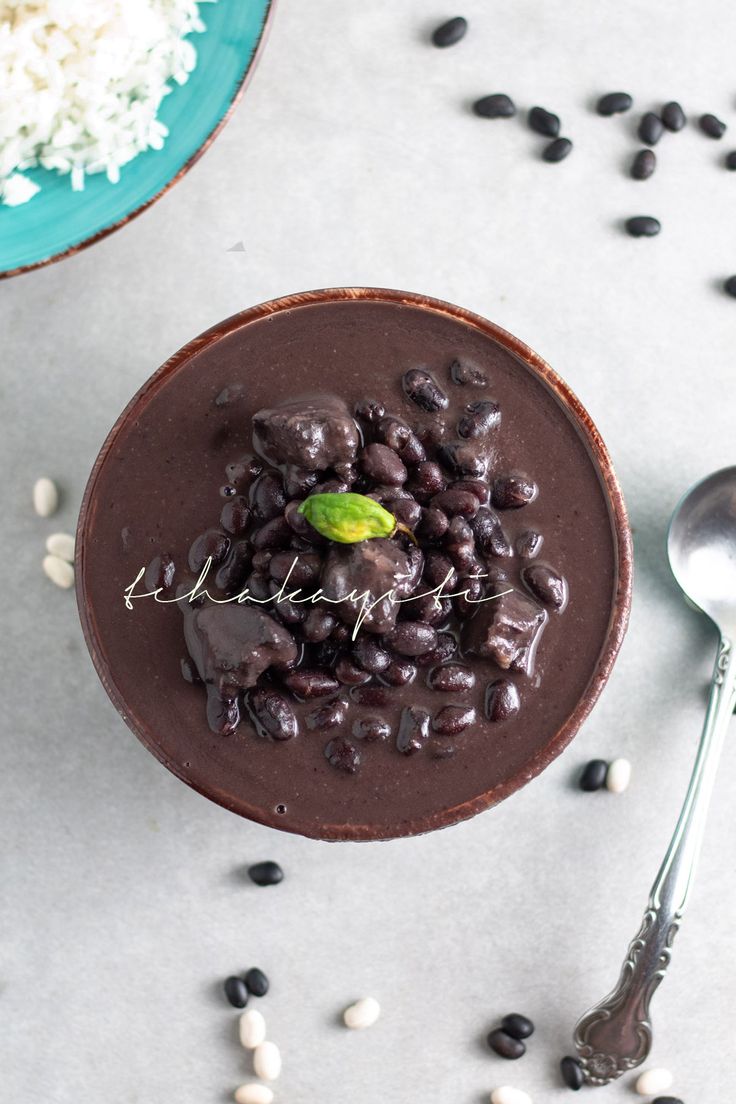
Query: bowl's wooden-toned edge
(93, 238)
(620, 606)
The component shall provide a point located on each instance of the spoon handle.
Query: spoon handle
(616, 1035)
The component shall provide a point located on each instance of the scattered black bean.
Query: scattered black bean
(276, 533)
(407, 511)
(381, 464)
(479, 419)
(370, 410)
(456, 503)
(212, 543)
(432, 525)
(572, 1073)
(466, 374)
(266, 873)
(350, 674)
(651, 128)
(712, 126)
(299, 568)
(445, 648)
(423, 390)
(673, 116)
(546, 584)
(528, 544)
(372, 696)
(306, 683)
(257, 982)
(447, 34)
(272, 715)
(644, 164)
(413, 730)
(502, 700)
(412, 638)
(557, 150)
(160, 573)
(399, 672)
(496, 106)
(451, 678)
(371, 729)
(489, 534)
(643, 226)
(614, 103)
(451, 720)
(343, 755)
(331, 714)
(236, 992)
(729, 286)
(594, 775)
(369, 655)
(267, 496)
(466, 459)
(511, 492)
(401, 438)
(730, 161)
(544, 122)
(517, 1026)
(505, 1045)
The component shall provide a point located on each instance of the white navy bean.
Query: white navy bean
(618, 776)
(45, 497)
(252, 1029)
(363, 1013)
(61, 545)
(509, 1095)
(58, 571)
(653, 1081)
(253, 1094)
(267, 1061)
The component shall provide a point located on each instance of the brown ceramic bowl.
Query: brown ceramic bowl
(152, 488)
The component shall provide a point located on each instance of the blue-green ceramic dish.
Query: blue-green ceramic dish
(58, 222)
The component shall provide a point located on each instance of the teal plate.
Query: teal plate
(57, 222)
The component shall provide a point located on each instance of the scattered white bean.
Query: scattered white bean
(45, 497)
(363, 1013)
(252, 1029)
(653, 1081)
(253, 1094)
(508, 1095)
(618, 775)
(61, 545)
(58, 571)
(267, 1061)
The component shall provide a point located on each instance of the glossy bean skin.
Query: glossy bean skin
(503, 701)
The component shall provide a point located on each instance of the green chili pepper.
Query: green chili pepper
(349, 518)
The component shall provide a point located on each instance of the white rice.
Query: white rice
(81, 82)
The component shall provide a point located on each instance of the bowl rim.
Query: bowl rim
(92, 239)
(621, 533)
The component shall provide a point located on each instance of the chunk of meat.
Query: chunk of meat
(507, 630)
(370, 568)
(309, 434)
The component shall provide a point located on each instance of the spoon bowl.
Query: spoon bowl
(701, 545)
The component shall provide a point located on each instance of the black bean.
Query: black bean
(593, 776)
(402, 439)
(160, 573)
(407, 511)
(644, 164)
(445, 648)
(572, 1073)
(557, 150)
(370, 410)
(427, 480)
(349, 674)
(343, 755)
(472, 590)
(298, 523)
(453, 719)
(643, 226)
(614, 103)
(432, 525)
(276, 533)
(667, 1100)
(447, 34)
(423, 390)
(272, 715)
(466, 374)
(232, 572)
(478, 487)
(511, 492)
(413, 730)
(412, 638)
(452, 503)
(438, 571)
(381, 463)
(223, 712)
(502, 700)
(267, 497)
(529, 544)
(212, 543)
(496, 106)
(369, 655)
(299, 568)
(673, 116)
(257, 982)
(258, 586)
(712, 126)
(729, 286)
(262, 559)
(299, 481)
(546, 584)
(504, 1045)
(479, 419)
(307, 683)
(329, 715)
(243, 471)
(373, 696)
(430, 609)
(466, 459)
(651, 128)
(544, 122)
(451, 678)
(517, 1026)
(266, 873)
(236, 992)
(371, 729)
(489, 535)
(399, 672)
(331, 486)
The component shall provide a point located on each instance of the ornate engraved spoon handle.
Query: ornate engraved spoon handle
(616, 1035)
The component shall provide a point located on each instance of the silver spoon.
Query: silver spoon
(616, 1035)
